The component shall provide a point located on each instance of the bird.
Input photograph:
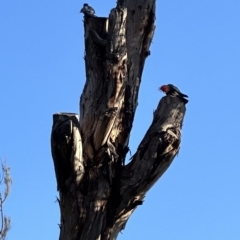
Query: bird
(173, 91)
(87, 10)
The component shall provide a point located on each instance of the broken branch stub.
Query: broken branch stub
(66, 148)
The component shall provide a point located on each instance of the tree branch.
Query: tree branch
(157, 149)
(67, 150)
(154, 155)
(5, 221)
(140, 29)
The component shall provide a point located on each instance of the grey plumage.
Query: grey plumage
(87, 10)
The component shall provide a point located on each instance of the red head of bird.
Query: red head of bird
(164, 88)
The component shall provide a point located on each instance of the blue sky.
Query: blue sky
(196, 47)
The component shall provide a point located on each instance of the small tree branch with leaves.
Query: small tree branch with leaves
(6, 182)
(98, 192)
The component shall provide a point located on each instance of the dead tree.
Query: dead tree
(98, 192)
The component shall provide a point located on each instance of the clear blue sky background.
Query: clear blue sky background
(196, 47)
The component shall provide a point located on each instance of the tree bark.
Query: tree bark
(98, 192)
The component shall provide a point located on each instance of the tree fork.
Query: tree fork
(98, 192)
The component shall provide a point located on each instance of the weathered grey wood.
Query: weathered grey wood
(98, 192)
(100, 119)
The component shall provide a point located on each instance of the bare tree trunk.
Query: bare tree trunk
(98, 192)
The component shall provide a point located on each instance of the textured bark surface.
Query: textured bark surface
(98, 192)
